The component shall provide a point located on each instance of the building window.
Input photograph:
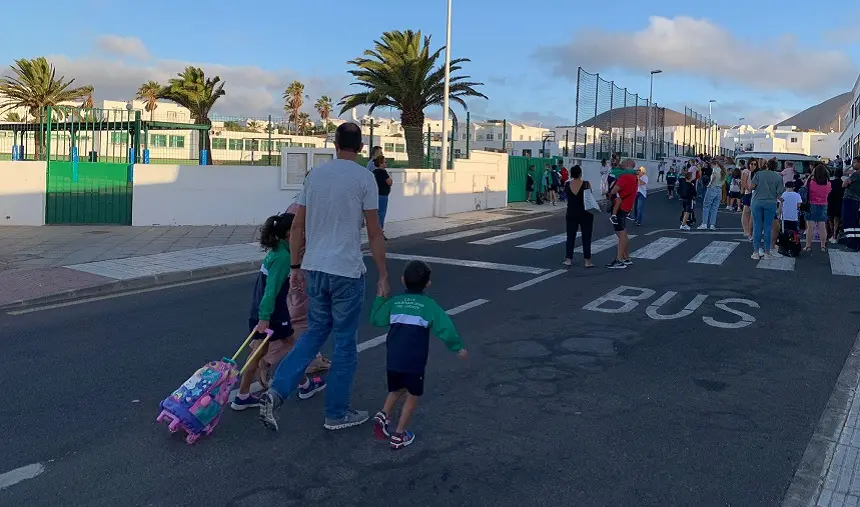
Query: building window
(521, 138)
(158, 140)
(388, 147)
(119, 137)
(400, 148)
(793, 139)
(252, 145)
(267, 145)
(489, 137)
(310, 145)
(464, 137)
(219, 143)
(235, 144)
(171, 115)
(177, 142)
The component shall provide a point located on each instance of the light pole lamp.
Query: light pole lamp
(650, 108)
(711, 126)
(443, 163)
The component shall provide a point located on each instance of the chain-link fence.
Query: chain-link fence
(611, 119)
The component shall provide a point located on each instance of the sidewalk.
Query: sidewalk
(57, 263)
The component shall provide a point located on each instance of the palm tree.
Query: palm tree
(324, 107)
(34, 86)
(255, 126)
(197, 93)
(14, 117)
(401, 72)
(149, 92)
(304, 123)
(293, 99)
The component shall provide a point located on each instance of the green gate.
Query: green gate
(88, 193)
(518, 168)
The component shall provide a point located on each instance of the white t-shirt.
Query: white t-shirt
(336, 194)
(643, 189)
(791, 201)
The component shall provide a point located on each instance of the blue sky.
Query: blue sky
(766, 65)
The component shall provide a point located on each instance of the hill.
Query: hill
(635, 116)
(824, 116)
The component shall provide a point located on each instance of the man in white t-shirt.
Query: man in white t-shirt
(325, 246)
(641, 195)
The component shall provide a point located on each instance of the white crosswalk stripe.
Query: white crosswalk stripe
(467, 234)
(547, 242)
(777, 263)
(657, 248)
(716, 253)
(844, 263)
(492, 240)
(603, 244)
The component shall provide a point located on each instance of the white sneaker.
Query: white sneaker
(685, 227)
(729, 208)
(755, 256)
(776, 255)
(761, 251)
(702, 227)
(832, 241)
(767, 256)
(713, 227)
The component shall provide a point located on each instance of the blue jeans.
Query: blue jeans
(334, 307)
(640, 207)
(383, 209)
(762, 218)
(710, 206)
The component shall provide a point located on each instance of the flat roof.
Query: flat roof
(102, 125)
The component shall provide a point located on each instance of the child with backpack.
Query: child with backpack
(270, 310)
(687, 196)
(412, 317)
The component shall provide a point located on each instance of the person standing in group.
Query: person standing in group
(711, 203)
(626, 187)
(661, 170)
(578, 217)
(851, 205)
(768, 186)
(383, 185)
(334, 200)
(687, 197)
(834, 205)
(746, 197)
(819, 190)
(565, 175)
(554, 183)
(788, 173)
(530, 184)
(671, 180)
(734, 200)
(641, 195)
(374, 154)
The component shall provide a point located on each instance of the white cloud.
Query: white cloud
(698, 48)
(117, 45)
(252, 91)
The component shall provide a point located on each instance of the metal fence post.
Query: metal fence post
(576, 114)
(269, 130)
(611, 115)
(594, 126)
(136, 137)
(504, 136)
(47, 135)
(370, 143)
(468, 134)
(429, 139)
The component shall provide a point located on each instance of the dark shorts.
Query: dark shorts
(282, 329)
(554, 188)
(622, 221)
(412, 382)
(735, 195)
(530, 188)
(687, 205)
(790, 225)
(746, 200)
(834, 210)
(670, 181)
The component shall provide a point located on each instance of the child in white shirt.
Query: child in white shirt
(790, 205)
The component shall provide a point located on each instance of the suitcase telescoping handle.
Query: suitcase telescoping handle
(254, 355)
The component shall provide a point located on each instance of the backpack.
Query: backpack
(789, 243)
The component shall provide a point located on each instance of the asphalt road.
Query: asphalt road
(563, 401)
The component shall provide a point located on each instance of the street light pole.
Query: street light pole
(443, 163)
(711, 144)
(650, 108)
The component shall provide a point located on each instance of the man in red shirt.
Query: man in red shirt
(625, 188)
(565, 175)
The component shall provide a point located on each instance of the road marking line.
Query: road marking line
(466, 234)
(716, 253)
(468, 264)
(657, 248)
(777, 263)
(539, 279)
(844, 263)
(24, 473)
(604, 244)
(505, 237)
(379, 340)
(547, 242)
(129, 293)
(726, 232)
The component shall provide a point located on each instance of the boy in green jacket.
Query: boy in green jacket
(412, 317)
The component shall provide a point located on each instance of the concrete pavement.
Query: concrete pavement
(672, 382)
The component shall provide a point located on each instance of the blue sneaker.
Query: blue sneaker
(239, 404)
(311, 387)
(401, 440)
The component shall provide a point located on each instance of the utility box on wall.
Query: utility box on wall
(296, 163)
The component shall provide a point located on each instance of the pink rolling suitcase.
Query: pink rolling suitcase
(196, 406)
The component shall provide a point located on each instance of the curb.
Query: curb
(147, 282)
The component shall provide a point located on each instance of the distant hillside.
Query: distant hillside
(824, 116)
(635, 116)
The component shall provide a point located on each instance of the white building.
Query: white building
(780, 139)
(849, 139)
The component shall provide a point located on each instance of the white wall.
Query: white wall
(207, 195)
(22, 193)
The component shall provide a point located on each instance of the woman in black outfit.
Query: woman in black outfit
(577, 216)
